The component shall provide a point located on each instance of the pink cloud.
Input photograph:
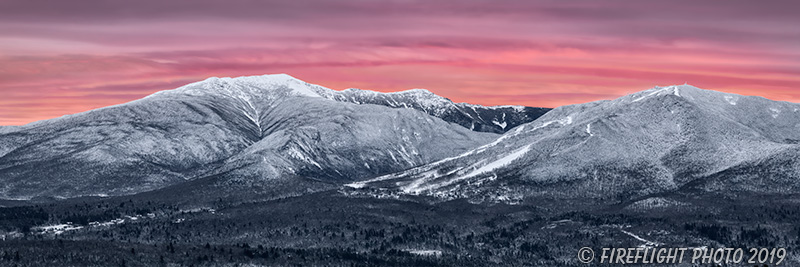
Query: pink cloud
(60, 58)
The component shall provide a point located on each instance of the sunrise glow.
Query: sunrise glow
(63, 57)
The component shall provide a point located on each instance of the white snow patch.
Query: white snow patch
(12, 234)
(195, 210)
(358, 185)
(647, 243)
(406, 156)
(425, 252)
(646, 96)
(254, 118)
(415, 187)
(502, 125)
(589, 129)
(299, 155)
(775, 112)
(57, 228)
(655, 202)
(108, 223)
(500, 162)
(731, 99)
(660, 91)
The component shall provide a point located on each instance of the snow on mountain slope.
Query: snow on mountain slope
(496, 119)
(652, 141)
(261, 128)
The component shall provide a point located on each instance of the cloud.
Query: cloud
(88, 54)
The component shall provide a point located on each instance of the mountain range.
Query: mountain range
(259, 129)
(270, 170)
(274, 129)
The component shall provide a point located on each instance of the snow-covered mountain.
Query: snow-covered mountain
(659, 140)
(256, 129)
(496, 119)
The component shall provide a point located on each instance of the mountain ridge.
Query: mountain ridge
(497, 119)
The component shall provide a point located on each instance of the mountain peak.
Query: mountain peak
(266, 78)
(408, 93)
(249, 87)
(278, 77)
(417, 91)
(419, 98)
(676, 90)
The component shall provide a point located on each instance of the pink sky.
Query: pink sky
(63, 57)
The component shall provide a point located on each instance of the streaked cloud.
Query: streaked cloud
(59, 57)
